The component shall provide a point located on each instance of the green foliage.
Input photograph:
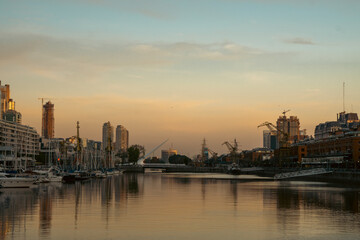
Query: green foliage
(134, 153)
(179, 159)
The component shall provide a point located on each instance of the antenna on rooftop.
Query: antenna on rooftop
(343, 96)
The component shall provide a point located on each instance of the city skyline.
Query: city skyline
(214, 69)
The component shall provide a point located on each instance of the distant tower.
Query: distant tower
(204, 151)
(122, 139)
(266, 138)
(107, 136)
(270, 139)
(48, 120)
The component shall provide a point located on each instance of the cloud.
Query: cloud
(44, 54)
(301, 41)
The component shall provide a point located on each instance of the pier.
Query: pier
(301, 173)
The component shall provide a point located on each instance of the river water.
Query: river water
(181, 206)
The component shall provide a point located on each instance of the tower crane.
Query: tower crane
(283, 136)
(42, 100)
(214, 155)
(285, 111)
(232, 149)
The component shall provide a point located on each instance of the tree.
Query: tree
(134, 153)
(179, 159)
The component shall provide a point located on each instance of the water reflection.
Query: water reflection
(14, 204)
(45, 212)
(168, 207)
(304, 195)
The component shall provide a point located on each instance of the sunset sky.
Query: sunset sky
(182, 70)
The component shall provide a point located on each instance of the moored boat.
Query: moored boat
(234, 169)
(69, 178)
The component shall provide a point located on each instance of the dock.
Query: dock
(301, 173)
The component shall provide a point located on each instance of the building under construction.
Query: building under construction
(48, 121)
(289, 126)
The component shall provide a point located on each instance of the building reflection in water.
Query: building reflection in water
(295, 196)
(117, 203)
(294, 199)
(15, 204)
(45, 212)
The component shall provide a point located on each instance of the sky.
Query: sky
(181, 70)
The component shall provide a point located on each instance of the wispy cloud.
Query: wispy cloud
(46, 54)
(299, 40)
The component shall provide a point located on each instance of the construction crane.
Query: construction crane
(284, 150)
(233, 149)
(285, 111)
(283, 136)
(42, 100)
(214, 155)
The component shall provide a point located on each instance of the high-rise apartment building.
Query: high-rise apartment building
(289, 126)
(7, 111)
(107, 137)
(122, 139)
(48, 121)
(19, 144)
(5, 98)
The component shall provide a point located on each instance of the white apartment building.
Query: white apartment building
(19, 144)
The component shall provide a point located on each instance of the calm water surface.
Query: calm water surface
(181, 206)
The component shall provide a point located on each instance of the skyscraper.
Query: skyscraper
(48, 120)
(107, 136)
(270, 139)
(122, 139)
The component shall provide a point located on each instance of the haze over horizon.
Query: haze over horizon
(183, 70)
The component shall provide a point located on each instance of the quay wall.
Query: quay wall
(338, 176)
(185, 169)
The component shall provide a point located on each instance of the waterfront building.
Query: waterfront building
(107, 136)
(335, 141)
(122, 139)
(166, 154)
(19, 144)
(48, 121)
(258, 154)
(344, 146)
(345, 122)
